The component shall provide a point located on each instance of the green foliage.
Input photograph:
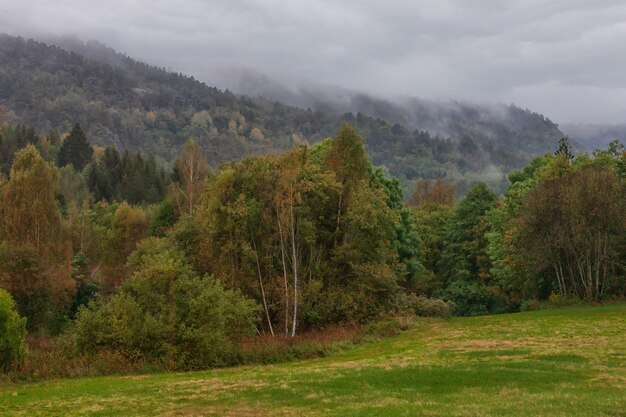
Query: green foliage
(128, 226)
(408, 245)
(163, 218)
(35, 264)
(86, 288)
(166, 312)
(313, 235)
(430, 224)
(433, 307)
(575, 225)
(142, 180)
(557, 212)
(347, 158)
(469, 298)
(464, 255)
(132, 177)
(367, 257)
(12, 333)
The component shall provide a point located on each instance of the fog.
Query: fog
(562, 58)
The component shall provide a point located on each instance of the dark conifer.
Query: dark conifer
(76, 150)
(565, 149)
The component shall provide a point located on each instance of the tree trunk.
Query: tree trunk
(284, 264)
(338, 218)
(294, 266)
(258, 268)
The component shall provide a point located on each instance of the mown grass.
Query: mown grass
(566, 362)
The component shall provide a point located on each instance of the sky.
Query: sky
(563, 58)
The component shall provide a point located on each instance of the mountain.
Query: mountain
(496, 123)
(132, 105)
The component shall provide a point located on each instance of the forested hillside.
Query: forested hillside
(498, 125)
(132, 105)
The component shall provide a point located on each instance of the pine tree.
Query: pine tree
(76, 150)
(564, 149)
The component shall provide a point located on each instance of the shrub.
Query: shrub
(12, 333)
(529, 305)
(470, 298)
(433, 307)
(167, 313)
(385, 326)
(553, 301)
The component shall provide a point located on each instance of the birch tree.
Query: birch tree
(36, 260)
(575, 224)
(192, 170)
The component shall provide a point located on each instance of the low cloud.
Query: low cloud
(559, 57)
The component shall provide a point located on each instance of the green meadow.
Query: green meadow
(562, 362)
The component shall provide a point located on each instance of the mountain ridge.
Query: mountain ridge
(130, 104)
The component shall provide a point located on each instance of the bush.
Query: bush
(168, 314)
(12, 333)
(385, 326)
(470, 298)
(553, 301)
(529, 305)
(433, 307)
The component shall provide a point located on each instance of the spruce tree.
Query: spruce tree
(75, 150)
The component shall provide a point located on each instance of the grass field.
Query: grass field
(566, 362)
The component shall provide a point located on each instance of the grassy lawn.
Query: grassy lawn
(566, 362)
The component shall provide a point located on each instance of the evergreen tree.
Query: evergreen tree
(565, 149)
(75, 150)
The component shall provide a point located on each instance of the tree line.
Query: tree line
(115, 252)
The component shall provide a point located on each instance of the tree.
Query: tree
(76, 150)
(464, 255)
(367, 256)
(575, 225)
(510, 267)
(12, 333)
(271, 227)
(35, 266)
(167, 313)
(464, 260)
(431, 222)
(348, 160)
(128, 227)
(192, 170)
(407, 242)
(565, 149)
(440, 192)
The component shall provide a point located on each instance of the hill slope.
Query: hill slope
(557, 362)
(498, 124)
(133, 105)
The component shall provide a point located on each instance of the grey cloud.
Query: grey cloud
(563, 58)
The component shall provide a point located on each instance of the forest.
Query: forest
(134, 106)
(109, 258)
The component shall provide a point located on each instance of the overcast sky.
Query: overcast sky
(563, 58)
